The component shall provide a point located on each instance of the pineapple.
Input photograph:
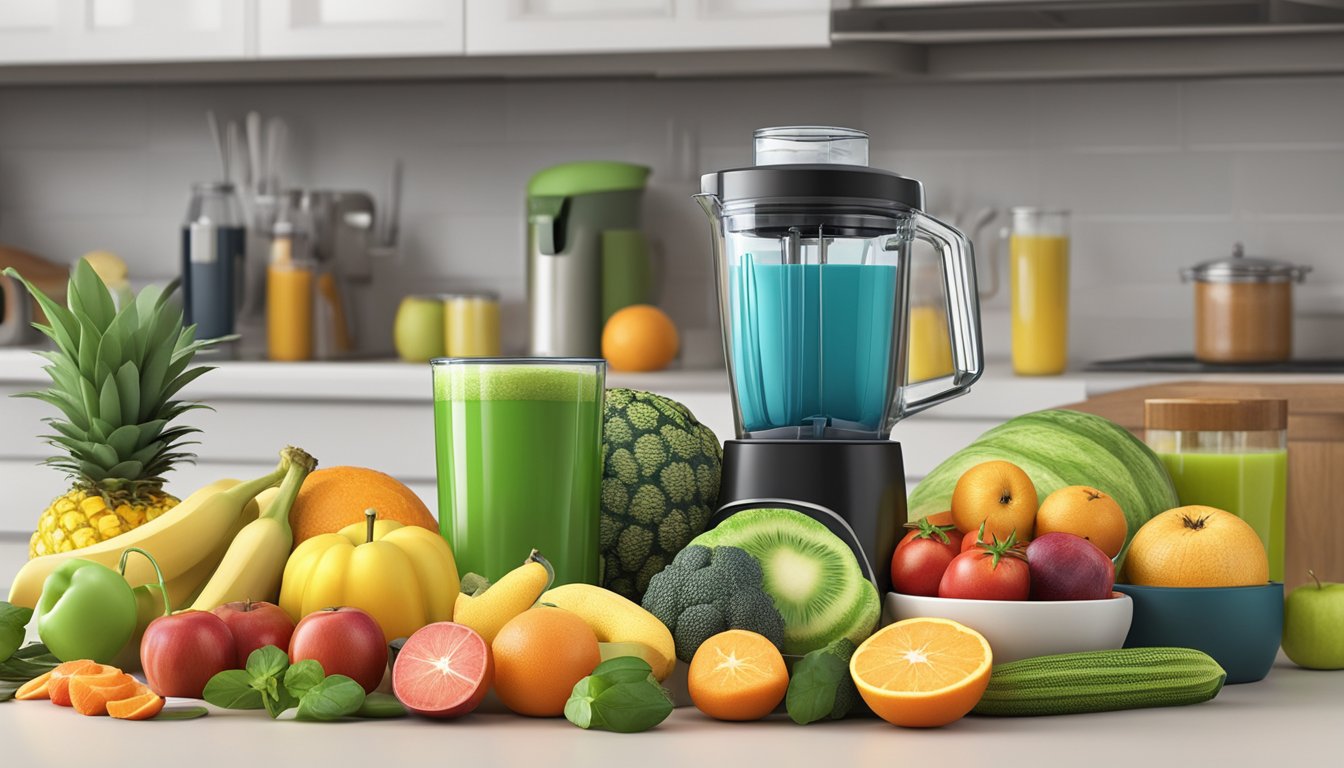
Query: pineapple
(114, 374)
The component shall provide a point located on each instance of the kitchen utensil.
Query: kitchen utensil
(519, 451)
(254, 158)
(1038, 257)
(471, 324)
(570, 207)
(1240, 627)
(1021, 629)
(341, 223)
(813, 259)
(1244, 308)
(419, 329)
(1230, 455)
(213, 243)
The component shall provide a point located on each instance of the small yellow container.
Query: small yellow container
(1038, 255)
(471, 324)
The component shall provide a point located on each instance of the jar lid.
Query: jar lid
(1215, 415)
(1241, 268)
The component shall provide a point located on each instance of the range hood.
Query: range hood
(935, 22)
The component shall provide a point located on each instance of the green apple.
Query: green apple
(1313, 625)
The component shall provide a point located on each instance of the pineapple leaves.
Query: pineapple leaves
(88, 297)
(183, 380)
(64, 328)
(109, 402)
(128, 387)
(123, 439)
(89, 340)
(128, 468)
(73, 409)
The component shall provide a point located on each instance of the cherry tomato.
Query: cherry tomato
(989, 572)
(920, 558)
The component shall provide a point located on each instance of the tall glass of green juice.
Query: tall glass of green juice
(518, 443)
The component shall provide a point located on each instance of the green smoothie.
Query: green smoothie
(519, 447)
(1252, 486)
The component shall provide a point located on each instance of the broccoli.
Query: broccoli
(707, 591)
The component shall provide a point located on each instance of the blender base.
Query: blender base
(861, 481)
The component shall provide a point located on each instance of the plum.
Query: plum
(1068, 567)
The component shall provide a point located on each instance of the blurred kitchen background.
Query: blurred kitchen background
(1160, 172)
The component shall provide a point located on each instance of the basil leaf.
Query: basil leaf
(268, 661)
(579, 711)
(181, 713)
(632, 707)
(13, 619)
(277, 700)
(302, 676)
(623, 669)
(821, 687)
(232, 689)
(381, 705)
(335, 697)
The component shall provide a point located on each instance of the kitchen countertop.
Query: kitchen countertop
(1291, 718)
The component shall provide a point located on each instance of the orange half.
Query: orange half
(922, 673)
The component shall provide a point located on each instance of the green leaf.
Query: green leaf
(88, 292)
(268, 661)
(89, 339)
(13, 620)
(123, 439)
(380, 705)
(302, 676)
(128, 386)
(232, 689)
(335, 697)
(632, 707)
(623, 669)
(109, 402)
(821, 687)
(579, 711)
(279, 699)
(181, 713)
(64, 328)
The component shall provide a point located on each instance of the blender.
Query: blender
(812, 263)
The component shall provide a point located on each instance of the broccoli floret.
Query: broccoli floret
(707, 591)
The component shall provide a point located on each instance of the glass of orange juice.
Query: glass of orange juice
(1038, 255)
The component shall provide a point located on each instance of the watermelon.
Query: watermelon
(1058, 448)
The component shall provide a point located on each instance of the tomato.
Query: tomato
(920, 558)
(990, 572)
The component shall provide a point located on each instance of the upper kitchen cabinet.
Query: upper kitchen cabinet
(74, 31)
(358, 28)
(635, 26)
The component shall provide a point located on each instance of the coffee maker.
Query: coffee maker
(812, 256)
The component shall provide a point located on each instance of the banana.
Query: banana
(255, 560)
(179, 540)
(515, 592)
(619, 622)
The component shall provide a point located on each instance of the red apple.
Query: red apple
(181, 652)
(255, 624)
(345, 641)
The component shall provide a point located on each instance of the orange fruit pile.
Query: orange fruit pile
(737, 675)
(94, 689)
(335, 497)
(922, 673)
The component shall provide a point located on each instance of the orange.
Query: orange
(922, 673)
(737, 675)
(37, 688)
(639, 338)
(1197, 547)
(90, 693)
(335, 497)
(58, 687)
(1087, 512)
(999, 494)
(539, 655)
(141, 706)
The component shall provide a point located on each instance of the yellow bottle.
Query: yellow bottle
(1039, 285)
(471, 325)
(289, 301)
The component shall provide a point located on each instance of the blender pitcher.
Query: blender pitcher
(812, 255)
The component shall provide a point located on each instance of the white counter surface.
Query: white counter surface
(1292, 718)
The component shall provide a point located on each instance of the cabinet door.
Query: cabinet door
(608, 26)
(61, 31)
(353, 28)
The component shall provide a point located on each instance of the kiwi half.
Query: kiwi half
(812, 575)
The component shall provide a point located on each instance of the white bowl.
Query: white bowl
(1020, 629)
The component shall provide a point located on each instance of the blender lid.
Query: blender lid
(1241, 268)
(814, 183)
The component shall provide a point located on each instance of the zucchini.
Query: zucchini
(1101, 681)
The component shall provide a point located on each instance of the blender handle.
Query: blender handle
(963, 314)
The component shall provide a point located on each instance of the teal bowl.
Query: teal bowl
(1240, 627)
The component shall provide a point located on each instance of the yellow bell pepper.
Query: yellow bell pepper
(404, 576)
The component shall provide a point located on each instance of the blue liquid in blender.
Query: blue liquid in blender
(812, 345)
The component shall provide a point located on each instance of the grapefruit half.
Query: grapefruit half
(443, 670)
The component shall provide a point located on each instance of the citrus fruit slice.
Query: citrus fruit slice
(443, 670)
(58, 687)
(89, 694)
(922, 673)
(737, 675)
(141, 706)
(37, 688)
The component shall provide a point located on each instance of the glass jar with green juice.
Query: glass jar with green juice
(1228, 454)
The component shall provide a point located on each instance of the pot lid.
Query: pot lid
(1241, 268)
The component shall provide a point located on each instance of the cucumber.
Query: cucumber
(1101, 681)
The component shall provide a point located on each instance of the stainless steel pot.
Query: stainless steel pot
(1244, 308)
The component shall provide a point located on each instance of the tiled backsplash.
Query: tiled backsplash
(1159, 175)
